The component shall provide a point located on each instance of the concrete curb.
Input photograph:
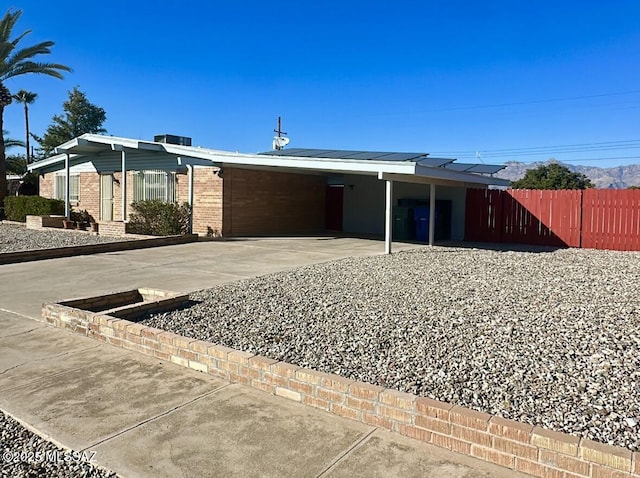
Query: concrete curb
(515, 445)
(55, 253)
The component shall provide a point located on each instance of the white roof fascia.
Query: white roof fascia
(58, 158)
(346, 165)
(64, 147)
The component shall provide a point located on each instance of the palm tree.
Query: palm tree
(15, 62)
(15, 164)
(10, 142)
(26, 98)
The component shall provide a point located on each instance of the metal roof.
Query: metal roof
(475, 168)
(346, 154)
(421, 158)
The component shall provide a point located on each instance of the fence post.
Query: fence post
(581, 214)
(500, 215)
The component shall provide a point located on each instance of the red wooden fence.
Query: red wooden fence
(611, 219)
(594, 218)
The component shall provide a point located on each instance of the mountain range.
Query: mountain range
(618, 177)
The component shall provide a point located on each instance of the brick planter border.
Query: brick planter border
(515, 445)
(54, 253)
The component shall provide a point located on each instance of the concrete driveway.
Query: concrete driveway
(181, 268)
(144, 417)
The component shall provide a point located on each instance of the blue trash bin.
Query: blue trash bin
(421, 219)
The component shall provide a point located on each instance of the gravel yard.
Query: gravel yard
(25, 454)
(548, 338)
(15, 238)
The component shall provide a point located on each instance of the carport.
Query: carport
(376, 169)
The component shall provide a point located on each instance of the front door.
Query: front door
(333, 211)
(106, 197)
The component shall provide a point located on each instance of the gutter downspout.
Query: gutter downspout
(67, 192)
(190, 170)
(123, 183)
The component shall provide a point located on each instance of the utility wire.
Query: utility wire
(624, 144)
(577, 160)
(532, 102)
(514, 153)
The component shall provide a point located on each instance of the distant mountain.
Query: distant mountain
(619, 177)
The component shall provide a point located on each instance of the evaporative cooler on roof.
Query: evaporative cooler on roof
(172, 139)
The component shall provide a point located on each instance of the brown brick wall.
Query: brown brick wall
(117, 195)
(182, 187)
(264, 202)
(90, 194)
(245, 202)
(46, 185)
(207, 201)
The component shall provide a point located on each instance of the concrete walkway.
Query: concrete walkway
(145, 417)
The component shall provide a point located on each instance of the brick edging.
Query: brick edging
(508, 443)
(55, 253)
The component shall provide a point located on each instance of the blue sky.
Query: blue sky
(451, 78)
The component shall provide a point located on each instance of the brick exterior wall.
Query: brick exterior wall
(265, 202)
(207, 201)
(244, 202)
(117, 195)
(46, 186)
(515, 445)
(90, 194)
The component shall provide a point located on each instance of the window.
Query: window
(74, 189)
(154, 185)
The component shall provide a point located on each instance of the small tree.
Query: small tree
(16, 164)
(552, 176)
(80, 117)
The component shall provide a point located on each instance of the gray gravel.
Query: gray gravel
(25, 454)
(14, 238)
(550, 338)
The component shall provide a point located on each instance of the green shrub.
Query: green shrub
(157, 218)
(17, 208)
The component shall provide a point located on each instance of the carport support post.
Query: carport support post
(432, 213)
(67, 188)
(388, 218)
(123, 183)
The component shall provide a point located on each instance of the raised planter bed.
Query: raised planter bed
(38, 222)
(129, 304)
